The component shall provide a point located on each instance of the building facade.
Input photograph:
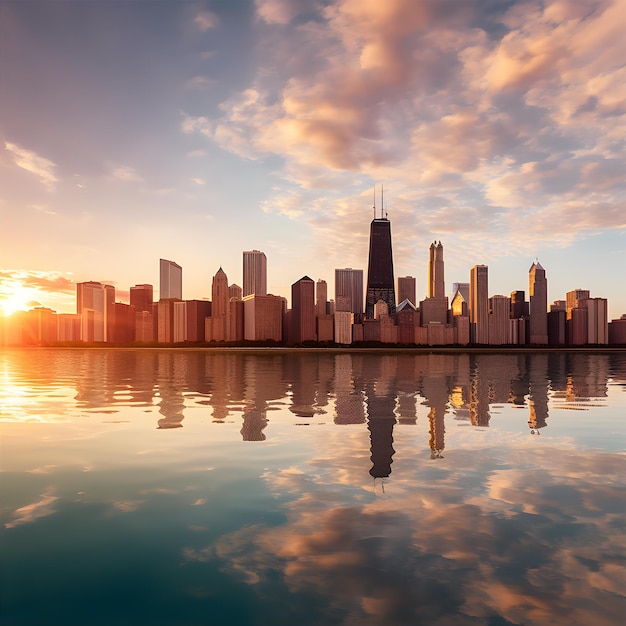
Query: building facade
(407, 289)
(380, 280)
(349, 290)
(254, 273)
(170, 280)
(479, 303)
(538, 305)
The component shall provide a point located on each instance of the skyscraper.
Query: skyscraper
(380, 281)
(479, 303)
(538, 306)
(436, 284)
(141, 297)
(321, 296)
(303, 310)
(435, 307)
(407, 289)
(349, 284)
(254, 273)
(171, 280)
(573, 299)
(219, 324)
(95, 303)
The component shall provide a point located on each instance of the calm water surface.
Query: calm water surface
(189, 487)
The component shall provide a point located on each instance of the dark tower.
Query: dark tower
(380, 282)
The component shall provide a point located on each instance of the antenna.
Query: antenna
(374, 201)
(382, 202)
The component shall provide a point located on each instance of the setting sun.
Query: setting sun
(15, 299)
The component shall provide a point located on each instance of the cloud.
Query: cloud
(199, 82)
(403, 558)
(283, 11)
(43, 209)
(126, 173)
(476, 117)
(31, 512)
(31, 162)
(48, 281)
(205, 20)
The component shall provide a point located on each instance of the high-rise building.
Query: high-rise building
(597, 320)
(519, 306)
(141, 297)
(436, 284)
(263, 317)
(349, 284)
(538, 306)
(218, 325)
(95, 303)
(407, 289)
(171, 280)
(573, 298)
(236, 292)
(321, 296)
(254, 273)
(499, 320)
(463, 288)
(303, 310)
(479, 303)
(380, 281)
(435, 307)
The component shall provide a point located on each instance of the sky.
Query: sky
(134, 130)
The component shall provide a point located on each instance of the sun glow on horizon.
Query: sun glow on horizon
(16, 298)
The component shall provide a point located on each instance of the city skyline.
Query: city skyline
(204, 129)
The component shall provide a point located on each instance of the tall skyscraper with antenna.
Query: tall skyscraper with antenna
(380, 280)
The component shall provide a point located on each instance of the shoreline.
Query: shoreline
(337, 349)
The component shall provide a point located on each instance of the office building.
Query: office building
(617, 331)
(170, 280)
(573, 299)
(436, 284)
(95, 303)
(303, 310)
(263, 317)
(499, 321)
(349, 290)
(519, 306)
(597, 320)
(538, 305)
(380, 280)
(463, 288)
(435, 307)
(235, 292)
(321, 296)
(459, 304)
(217, 327)
(254, 273)
(343, 327)
(165, 320)
(196, 313)
(407, 289)
(479, 303)
(141, 297)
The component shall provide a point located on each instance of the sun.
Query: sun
(15, 299)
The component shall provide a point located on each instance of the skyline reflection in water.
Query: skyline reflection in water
(390, 488)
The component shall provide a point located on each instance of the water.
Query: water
(285, 488)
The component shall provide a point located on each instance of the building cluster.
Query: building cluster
(249, 314)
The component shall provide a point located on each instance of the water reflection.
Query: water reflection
(383, 489)
(353, 388)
